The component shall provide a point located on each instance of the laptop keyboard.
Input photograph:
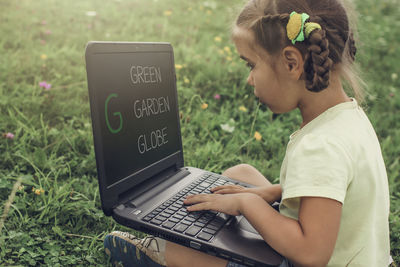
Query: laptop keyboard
(173, 215)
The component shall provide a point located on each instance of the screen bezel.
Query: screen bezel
(110, 194)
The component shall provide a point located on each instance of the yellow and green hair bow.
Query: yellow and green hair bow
(297, 29)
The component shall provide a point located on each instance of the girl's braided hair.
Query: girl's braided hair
(324, 50)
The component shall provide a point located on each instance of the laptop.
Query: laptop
(138, 146)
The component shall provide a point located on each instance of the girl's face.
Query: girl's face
(268, 76)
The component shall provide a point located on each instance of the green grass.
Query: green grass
(52, 148)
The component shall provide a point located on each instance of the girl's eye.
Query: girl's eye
(250, 66)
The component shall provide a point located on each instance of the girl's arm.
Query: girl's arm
(307, 242)
(270, 193)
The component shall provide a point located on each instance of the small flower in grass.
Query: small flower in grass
(229, 126)
(217, 39)
(91, 13)
(37, 191)
(227, 49)
(178, 66)
(209, 12)
(45, 85)
(204, 106)
(243, 108)
(8, 135)
(186, 80)
(394, 76)
(43, 56)
(44, 22)
(217, 96)
(228, 58)
(391, 94)
(21, 188)
(257, 136)
(167, 13)
(47, 32)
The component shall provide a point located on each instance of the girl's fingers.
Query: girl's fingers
(199, 206)
(227, 189)
(191, 199)
(220, 187)
(198, 202)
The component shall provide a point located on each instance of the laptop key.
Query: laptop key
(169, 211)
(204, 236)
(175, 220)
(205, 184)
(164, 214)
(209, 231)
(186, 222)
(181, 213)
(168, 224)
(180, 217)
(173, 208)
(199, 224)
(181, 228)
(147, 218)
(160, 218)
(156, 222)
(190, 219)
(213, 227)
(193, 230)
(195, 214)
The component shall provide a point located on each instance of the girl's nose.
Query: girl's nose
(250, 80)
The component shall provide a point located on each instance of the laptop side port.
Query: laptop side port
(225, 256)
(195, 245)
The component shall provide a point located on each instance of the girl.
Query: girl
(333, 191)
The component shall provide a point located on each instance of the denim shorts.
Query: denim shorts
(285, 263)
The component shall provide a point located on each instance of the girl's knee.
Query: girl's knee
(238, 170)
(246, 173)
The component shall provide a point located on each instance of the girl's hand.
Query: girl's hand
(269, 193)
(228, 204)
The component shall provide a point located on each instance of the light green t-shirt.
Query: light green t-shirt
(337, 155)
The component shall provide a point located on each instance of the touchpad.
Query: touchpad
(246, 226)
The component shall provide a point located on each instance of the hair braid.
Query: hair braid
(283, 18)
(317, 64)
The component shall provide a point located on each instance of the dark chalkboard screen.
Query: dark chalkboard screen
(134, 108)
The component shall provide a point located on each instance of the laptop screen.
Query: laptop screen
(136, 104)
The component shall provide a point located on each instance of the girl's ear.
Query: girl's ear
(293, 61)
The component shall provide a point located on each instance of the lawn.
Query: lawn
(47, 164)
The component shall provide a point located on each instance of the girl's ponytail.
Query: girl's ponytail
(317, 64)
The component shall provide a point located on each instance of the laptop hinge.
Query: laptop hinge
(167, 183)
(141, 189)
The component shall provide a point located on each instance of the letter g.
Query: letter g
(114, 131)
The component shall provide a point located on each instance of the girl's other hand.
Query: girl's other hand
(230, 204)
(269, 193)
(228, 189)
